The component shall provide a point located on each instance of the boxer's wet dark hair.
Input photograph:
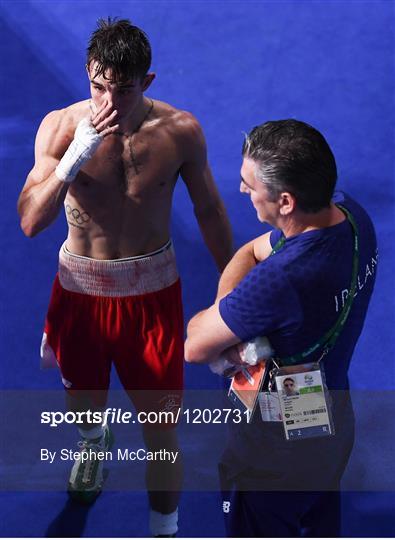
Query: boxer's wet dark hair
(293, 157)
(120, 47)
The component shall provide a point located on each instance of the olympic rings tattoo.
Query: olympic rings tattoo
(79, 217)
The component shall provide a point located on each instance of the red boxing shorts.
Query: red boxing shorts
(125, 311)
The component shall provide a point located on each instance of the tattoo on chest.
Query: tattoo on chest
(76, 218)
(133, 160)
(134, 164)
(122, 175)
(130, 167)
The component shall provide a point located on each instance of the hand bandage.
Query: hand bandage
(222, 366)
(250, 353)
(81, 149)
(255, 350)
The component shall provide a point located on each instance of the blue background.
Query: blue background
(234, 64)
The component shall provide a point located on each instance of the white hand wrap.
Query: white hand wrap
(82, 147)
(250, 353)
(222, 366)
(256, 350)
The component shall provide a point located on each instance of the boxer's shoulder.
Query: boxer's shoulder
(59, 125)
(67, 119)
(76, 112)
(190, 135)
(173, 118)
(181, 126)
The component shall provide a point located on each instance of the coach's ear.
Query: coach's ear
(147, 81)
(287, 203)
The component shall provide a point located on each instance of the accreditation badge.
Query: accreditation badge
(246, 385)
(269, 405)
(304, 401)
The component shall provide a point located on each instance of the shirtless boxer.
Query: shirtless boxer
(112, 162)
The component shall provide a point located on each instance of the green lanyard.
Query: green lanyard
(329, 339)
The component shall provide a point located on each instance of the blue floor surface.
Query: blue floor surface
(234, 64)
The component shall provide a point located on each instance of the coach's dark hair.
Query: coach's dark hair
(119, 46)
(294, 157)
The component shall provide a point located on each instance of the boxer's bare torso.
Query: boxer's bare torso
(119, 204)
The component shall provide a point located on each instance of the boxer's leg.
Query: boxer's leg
(163, 481)
(74, 338)
(149, 361)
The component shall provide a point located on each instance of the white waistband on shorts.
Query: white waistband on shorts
(118, 277)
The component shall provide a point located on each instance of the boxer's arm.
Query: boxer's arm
(244, 260)
(58, 158)
(208, 206)
(43, 193)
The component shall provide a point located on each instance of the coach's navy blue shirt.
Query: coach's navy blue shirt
(295, 296)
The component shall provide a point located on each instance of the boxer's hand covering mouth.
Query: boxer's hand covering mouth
(81, 149)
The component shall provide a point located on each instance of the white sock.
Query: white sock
(163, 523)
(93, 433)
